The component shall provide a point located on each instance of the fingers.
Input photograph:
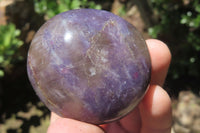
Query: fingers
(160, 59)
(132, 122)
(54, 117)
(65, 125)
(155, 110)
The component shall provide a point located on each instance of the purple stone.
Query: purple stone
(89, 65)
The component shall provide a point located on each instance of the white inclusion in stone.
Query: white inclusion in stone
(56, 58)
(104, 54)
(104, 60)
(57, 93)
(92, 71)
(67, 36)
(124, 82)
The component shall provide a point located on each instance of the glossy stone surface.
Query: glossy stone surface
(89, 65)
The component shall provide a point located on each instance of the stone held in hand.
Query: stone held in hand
(89, 65)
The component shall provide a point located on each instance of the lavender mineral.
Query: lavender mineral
(89, 65)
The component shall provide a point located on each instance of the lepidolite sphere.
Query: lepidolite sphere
(89, 65)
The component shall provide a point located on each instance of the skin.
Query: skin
(152, 115)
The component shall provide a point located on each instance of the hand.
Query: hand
(152, 115)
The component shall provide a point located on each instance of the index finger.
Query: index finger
(160, 60)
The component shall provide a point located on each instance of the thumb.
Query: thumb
(66, 125)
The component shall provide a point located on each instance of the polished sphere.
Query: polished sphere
(89, 65)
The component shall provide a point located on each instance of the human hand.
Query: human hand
(152, 115)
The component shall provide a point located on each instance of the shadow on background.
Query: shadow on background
(17, 98)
